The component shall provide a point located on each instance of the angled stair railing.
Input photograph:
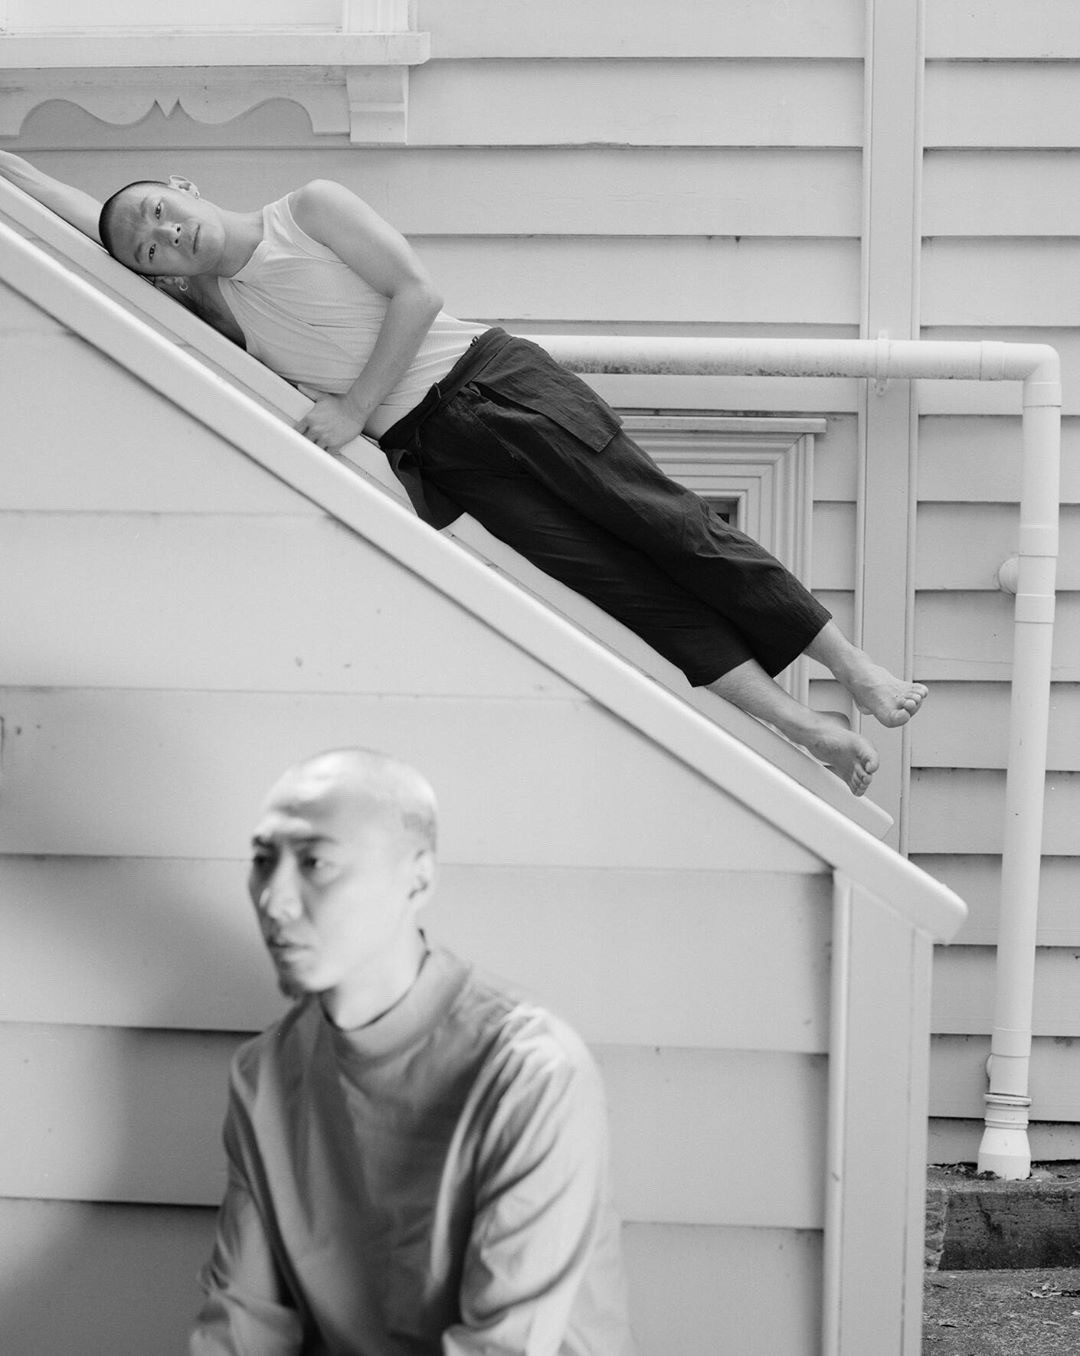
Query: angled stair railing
(77, 252)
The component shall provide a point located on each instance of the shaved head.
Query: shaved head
(119, 210)
(373, 781)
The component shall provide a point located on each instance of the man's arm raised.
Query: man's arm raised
(79, 209)
(344, 223)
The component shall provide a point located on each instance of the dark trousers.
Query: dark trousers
(537, 457)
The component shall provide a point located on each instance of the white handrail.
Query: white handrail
(1004, 1149)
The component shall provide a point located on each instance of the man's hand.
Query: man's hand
(331, 423)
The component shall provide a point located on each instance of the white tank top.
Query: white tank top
(310, 318)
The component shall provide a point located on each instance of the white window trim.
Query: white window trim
(352, 78)
(765, 465)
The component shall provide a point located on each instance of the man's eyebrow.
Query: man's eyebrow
(298, 841)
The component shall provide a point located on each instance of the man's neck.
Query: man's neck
(370, 996)
(243, 233)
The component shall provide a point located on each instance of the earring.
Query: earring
(181, 284)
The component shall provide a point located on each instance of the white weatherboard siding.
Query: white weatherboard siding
(618, 167)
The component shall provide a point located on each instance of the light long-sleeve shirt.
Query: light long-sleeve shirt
(434, 1182)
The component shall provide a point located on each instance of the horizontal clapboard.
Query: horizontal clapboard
(970, 458)
(998, 29)
(966, 725)
(958, 1077)
(98, 1114)
(1001, 193)
(834, 551)
(741, 28)
(699, 103)
(581, 190)
(964, 984)
(962, 546)
(652, 957)
(574, 278)
(1000, 282)
(968, 635)
(59, 1258)
(1004, 104)
(963, 810)
(977, 880)
(179, 774)
(241, 603)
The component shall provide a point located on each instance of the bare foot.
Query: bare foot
(890, 700)
(851, 757)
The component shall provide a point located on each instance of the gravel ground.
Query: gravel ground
(1002, 1313)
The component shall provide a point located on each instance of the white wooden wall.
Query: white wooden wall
(178, 626)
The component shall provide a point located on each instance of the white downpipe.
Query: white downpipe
(1004, 1149)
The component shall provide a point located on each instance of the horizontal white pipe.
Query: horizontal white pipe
(877, 359)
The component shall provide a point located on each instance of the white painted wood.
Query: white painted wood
(965, 458)
(99, 1279)
(977, 880)
(107, 772)
(758, 280)
(996, 28)
(1001, 193)
(968, 636)
(135, 450)
(701, 103)
(958, 1077)
(742, 28)
(58, 1259)
(166, 943)
(967, 725)
(583, 190)
(874, 1220)
(46, 15)
(964, 991)
(889, 304)
(1000, 282)
(963, 811)
(105, 1115)
(240, 603)
(834, 547)
(1005, 103)
(722, 1290)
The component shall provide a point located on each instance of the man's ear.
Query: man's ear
(183, 184)
(423, 882)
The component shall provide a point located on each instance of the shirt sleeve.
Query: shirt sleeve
(541, 1197)
(246, 1307)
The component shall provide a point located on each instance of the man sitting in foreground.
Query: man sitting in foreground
(417, 1162)
(323, 291)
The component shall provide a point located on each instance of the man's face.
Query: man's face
(334, 880)
(162, 231)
